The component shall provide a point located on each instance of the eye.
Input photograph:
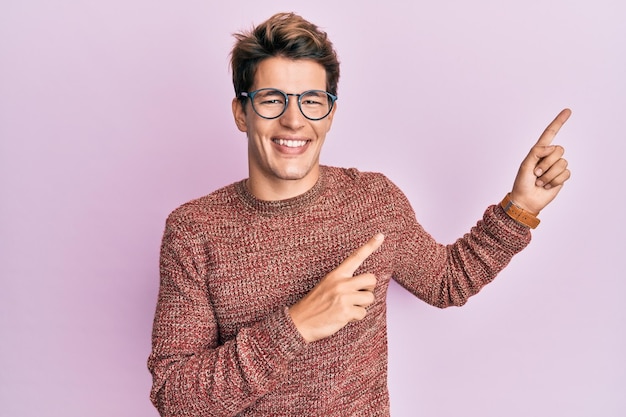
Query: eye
(272, 101)
(314, 98)
(311, 102)
(269, 98)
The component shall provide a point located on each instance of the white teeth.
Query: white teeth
(290, 143)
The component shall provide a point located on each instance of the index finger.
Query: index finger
(553, 128)
(356, 258)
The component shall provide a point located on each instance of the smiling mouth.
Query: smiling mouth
(290, 143)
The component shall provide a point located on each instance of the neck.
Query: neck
(280, 189)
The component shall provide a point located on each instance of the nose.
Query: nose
(292, 117)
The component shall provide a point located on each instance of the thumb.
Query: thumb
(536, 154)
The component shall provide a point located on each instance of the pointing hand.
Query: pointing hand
(339, 298)
(543, 172)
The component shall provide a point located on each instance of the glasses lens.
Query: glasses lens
(315, 104)
(269, 103)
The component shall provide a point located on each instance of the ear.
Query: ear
(239, 114)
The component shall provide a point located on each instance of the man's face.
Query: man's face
(283, 153)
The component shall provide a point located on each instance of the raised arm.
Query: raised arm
(445, 275)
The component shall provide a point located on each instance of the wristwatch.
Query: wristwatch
(519, 214)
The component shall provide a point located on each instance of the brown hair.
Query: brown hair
(285, 35)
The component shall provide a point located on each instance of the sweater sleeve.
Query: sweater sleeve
(194, 373)
(447, 275)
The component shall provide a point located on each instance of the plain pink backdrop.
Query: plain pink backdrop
(113, 113)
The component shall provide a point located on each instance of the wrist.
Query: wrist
(519, 214)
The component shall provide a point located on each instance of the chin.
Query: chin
(294, 173)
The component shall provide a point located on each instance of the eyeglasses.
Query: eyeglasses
(271, 103)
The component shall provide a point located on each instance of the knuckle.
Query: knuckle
(552, 129)
(339, 288)
(345, 311)
(360, 313)
(370, 278)
(567, 174)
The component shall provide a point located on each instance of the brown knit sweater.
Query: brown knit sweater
(223, 341)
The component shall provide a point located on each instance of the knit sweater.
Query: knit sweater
(231, 265)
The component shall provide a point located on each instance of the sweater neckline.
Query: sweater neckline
(269, 207)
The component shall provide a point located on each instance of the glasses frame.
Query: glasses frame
(251, 94)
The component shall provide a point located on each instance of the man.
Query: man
(272, 296)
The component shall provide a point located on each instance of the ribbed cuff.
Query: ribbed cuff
(269, 346)
(515, 235)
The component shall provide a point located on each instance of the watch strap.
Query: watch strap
(519, 214)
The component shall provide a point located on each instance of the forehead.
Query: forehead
(290, 75)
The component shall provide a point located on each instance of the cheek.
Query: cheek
(328, 123)
(248, 125)
(325, 128)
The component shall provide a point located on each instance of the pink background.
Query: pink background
(112, 113)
